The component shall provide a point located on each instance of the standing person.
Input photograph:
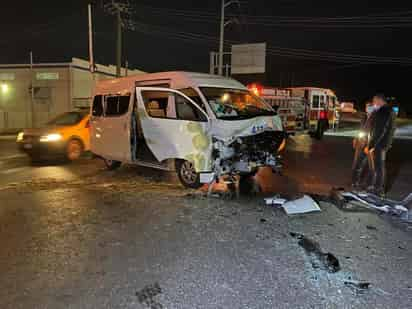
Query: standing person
(380, 141)
(360, 158)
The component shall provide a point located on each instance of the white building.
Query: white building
(57, 88)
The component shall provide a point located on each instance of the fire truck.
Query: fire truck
(302, 109)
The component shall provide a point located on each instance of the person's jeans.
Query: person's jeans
(360, 160)
(377, 165)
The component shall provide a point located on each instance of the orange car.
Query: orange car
(66, 136)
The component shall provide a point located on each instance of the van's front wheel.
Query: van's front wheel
(112, 164)
(187, 174)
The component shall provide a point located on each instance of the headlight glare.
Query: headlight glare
(361, 134)
(20, 136)
(50, 138)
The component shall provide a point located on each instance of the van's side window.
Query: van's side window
(124, 102)
(111, 106)
(159, 104)
(97, 108)
(192, 94)
(186, 110)
(117, 105)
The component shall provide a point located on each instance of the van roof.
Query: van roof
(176, 79)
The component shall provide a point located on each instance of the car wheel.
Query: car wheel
(112, 164)
(187, 174)
(74, 150)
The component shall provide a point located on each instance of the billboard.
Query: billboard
(249, 58)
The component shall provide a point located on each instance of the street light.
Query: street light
(4, 88)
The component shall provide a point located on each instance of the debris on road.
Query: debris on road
(319, 259)
(146, 296)
(371, 227)
(345, 199)
(275, 201)
(300, 206)
(359, 286)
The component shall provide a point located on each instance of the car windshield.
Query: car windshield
(235, 104)
(67, 119)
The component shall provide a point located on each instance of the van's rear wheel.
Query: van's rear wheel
(187, 174)
(112, 164)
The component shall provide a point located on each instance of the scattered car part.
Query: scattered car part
(300, 206)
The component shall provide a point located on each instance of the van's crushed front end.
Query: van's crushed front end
(245, 146)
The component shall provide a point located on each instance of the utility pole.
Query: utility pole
(222, 38)
(33, 119)
(223, 24)
(91, 56)
(119, 44)
(122, 10)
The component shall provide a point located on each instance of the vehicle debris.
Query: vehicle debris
(275, 201)
(319, 259)
(358, 286)
(345, 199)
(146, 296)
(300, 206)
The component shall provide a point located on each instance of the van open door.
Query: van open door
(174, 126)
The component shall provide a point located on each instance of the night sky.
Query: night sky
(357, 47)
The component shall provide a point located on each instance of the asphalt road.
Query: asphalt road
(77, 236)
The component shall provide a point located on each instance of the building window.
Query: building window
(47, 76)
(7, 76)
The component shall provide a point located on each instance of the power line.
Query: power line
(276, 50)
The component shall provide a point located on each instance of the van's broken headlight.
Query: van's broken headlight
(55, 137)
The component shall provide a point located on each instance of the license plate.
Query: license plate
(27, 146)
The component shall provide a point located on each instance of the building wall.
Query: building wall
(51, 96)
(58, 88)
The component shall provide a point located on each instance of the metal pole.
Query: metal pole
(222, 38)
(127, 68)
(33, 119)
(119, 44)
(91, 56)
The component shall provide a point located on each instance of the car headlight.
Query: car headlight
(361, 135)
(55, 137)
(20, 136)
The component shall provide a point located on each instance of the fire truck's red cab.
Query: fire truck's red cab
(302, 109)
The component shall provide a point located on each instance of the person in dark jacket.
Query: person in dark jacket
(379, 142)
(360, 159)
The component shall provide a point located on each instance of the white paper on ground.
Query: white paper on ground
(303, 205)
(275, 201)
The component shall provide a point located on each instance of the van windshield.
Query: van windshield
(235, 104)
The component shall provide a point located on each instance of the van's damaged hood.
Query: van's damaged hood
(228, 130)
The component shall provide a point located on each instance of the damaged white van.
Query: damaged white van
(201, 126)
